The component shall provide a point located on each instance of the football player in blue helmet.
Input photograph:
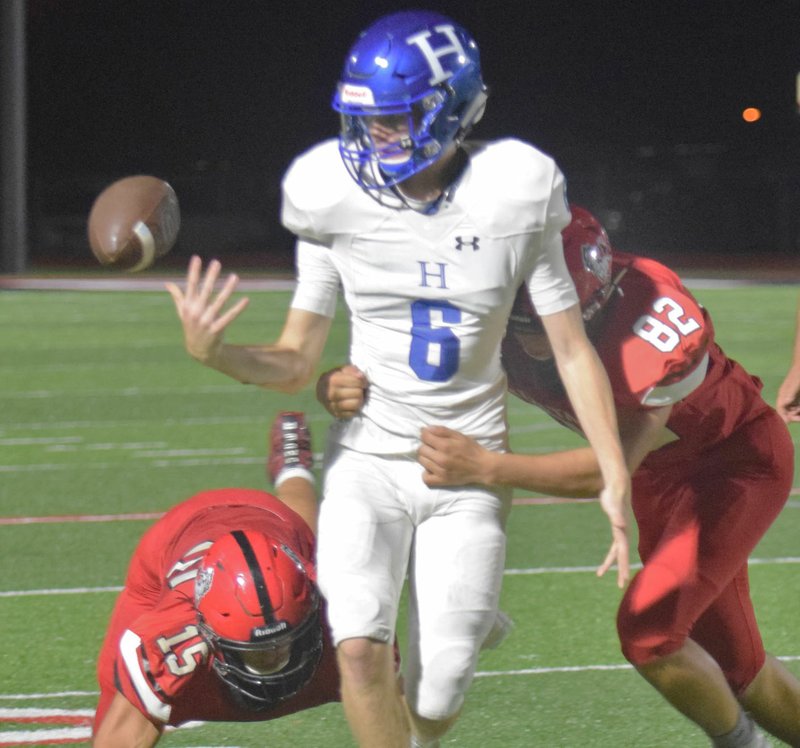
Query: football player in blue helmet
(410, 92)
(427, 235)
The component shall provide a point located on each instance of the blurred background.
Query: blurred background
(675, 122)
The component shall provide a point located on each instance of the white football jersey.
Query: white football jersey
(429, 295)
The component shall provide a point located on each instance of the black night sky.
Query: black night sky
(217, 97)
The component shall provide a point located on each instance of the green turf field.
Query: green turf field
(102, 413)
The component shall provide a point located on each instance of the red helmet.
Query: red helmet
(259, 612)
(587, 252)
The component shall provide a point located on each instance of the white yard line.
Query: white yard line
(532, 571)
(63, 518)
(156, 283)
(53, 726)
(130, 283)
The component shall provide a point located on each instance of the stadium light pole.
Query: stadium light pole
(797, 92)
(13, 140)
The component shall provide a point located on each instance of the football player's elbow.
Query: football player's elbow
(591, 488)
(298, 376)
(289, 388)
(586, 481)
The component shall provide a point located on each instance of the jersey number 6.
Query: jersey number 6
(434, 350)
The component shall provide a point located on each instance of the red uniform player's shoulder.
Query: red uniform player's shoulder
(653, 336)
(160, 654)
(187, 529)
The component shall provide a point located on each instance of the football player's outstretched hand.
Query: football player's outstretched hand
(452, 459)
(202, 313)
(788, 401)
(616, 504)
(342, 391)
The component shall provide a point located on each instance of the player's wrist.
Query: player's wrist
(208, 356)
(616, 481)
(491, 468)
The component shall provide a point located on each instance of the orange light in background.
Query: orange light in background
(751, 114)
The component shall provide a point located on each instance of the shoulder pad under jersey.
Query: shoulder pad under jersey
(510, 187)
(320, 199)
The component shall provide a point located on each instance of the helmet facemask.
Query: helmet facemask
(295, 653)
(382, 147)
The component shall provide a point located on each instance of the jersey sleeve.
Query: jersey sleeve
(317, 279)
(663, 353)
(550, 284)
(314, 197)
(159, 655)
(318, 195)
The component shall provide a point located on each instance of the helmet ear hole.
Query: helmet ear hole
(472, 113)
(481, 108)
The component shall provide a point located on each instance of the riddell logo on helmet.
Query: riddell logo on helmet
(357, 95)
(261, 631)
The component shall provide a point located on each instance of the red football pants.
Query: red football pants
(698, 523)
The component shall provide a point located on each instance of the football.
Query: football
(134, 221)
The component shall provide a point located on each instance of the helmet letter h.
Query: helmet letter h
(432, 55)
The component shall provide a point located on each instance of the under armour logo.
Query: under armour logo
(432, 55)
(471, 241)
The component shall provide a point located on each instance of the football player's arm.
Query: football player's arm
(124, 726)
(286, 365)
(788, 401)
(587, 386)
(450, 458)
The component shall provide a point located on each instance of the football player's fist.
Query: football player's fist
(342, 391)
(452, 459)
(202, 314)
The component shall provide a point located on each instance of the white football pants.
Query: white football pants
(379, 521)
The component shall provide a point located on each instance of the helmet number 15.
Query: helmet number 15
(665, 335)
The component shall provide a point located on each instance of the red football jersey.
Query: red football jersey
(153, 652)
(657, 345)
(703, 501)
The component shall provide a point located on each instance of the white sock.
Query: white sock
(744, 735)
(294, 472)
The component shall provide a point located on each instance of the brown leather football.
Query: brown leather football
(133, 221)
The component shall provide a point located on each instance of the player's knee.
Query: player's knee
(748, 670)
(363, 660)
(445, 678)
(741, 678)
(431, 730)
(645, 637)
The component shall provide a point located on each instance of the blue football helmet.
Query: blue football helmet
(411, 88)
